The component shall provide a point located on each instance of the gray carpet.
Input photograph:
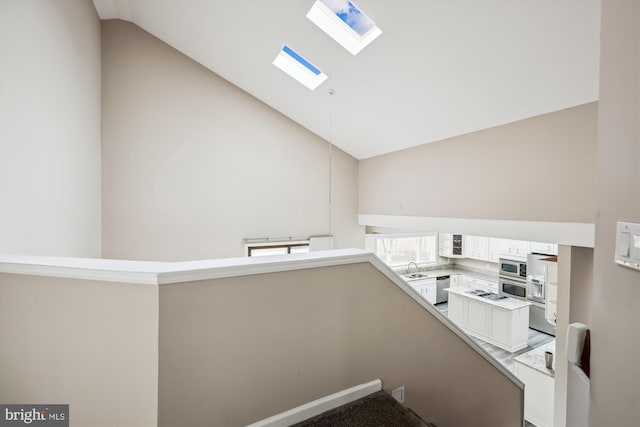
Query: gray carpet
(376, 410)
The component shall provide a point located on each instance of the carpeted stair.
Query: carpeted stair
(375, 410)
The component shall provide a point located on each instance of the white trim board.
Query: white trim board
(562, 233)
(318, 406)
(159, 273)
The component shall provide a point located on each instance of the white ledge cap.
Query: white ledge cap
(158, 273)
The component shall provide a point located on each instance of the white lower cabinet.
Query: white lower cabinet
(458, 309)
(500, 325)
(454, 280)
(538, 395)
(478, 317)
(462, 281)
(427, 289)
(506, 328)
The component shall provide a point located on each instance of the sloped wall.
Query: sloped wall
(236, 350)
(192, 164)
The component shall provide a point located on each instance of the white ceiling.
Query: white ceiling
(441, 68)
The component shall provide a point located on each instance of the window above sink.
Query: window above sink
(398, 250)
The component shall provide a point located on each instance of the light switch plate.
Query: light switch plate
(628, 244)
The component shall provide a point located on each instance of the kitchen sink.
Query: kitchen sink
(494, 297)
(478, 292)
(484, 294)
(416, 275)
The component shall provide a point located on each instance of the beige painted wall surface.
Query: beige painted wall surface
(50, 128)
(615, 318)
(93, 345)
(538, 169)
(192, 164)
(236, 350)
(581, 285)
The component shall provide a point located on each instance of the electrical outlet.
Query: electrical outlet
(398, 394)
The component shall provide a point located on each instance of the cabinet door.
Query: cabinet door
(430, 292)
(504, 247)
(494, 249)
(483, 248)
(445, 244)
(427, 289)
(522, 248)
(457, 309)
(544, 248)
(453, 281)
(468, 246)
(478, 317)
(501, 325)
(476, 247)
(462, 281)
(515, 249)
(472, 282)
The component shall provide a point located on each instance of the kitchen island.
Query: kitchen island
(501, 322)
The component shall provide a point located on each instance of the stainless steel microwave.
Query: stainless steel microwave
(513, 288)
(515, 269)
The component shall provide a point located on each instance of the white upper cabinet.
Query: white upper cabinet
(489, 248)
(544, 248)
(476, 247)
(514, 249)
(450, 245)
(494, 249)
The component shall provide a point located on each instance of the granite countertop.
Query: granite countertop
(440, 271)
(507, 303)
(534, 359)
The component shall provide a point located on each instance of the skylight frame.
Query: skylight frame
(299, 68)
(339, 30)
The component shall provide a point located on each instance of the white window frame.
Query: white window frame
(276, 243)
(408, 235)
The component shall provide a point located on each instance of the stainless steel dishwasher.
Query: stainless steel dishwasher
(442, 283)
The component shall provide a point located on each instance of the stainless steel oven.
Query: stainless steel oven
(512, 288)
(514, 269)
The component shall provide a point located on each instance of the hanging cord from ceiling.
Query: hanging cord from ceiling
(330, 205)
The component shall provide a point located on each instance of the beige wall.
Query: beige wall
(236, 350)
(615, 317)
(50, 128)
(192, 164)
(92, 345)
(581, 285)
(538, 169)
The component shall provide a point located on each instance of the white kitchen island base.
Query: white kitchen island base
(503, 323)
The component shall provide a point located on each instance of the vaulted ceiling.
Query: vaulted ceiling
(441, 68)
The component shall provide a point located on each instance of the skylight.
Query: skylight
(299, 68)
(345, 23)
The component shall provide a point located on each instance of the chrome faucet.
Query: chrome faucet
(409, 267)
